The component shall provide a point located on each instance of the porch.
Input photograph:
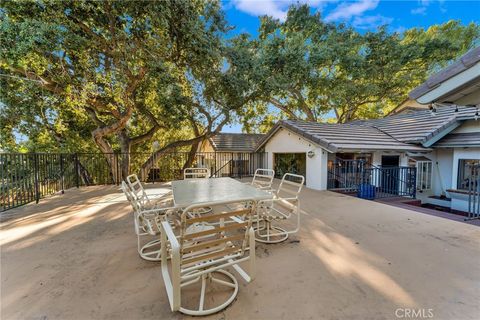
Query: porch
(73, 256)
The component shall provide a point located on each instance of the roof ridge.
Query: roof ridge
(388, 134)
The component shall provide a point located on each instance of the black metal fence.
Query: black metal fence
(391, 181)
(345, 175)
(378, 182)
(28, 177)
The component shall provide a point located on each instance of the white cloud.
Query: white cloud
(422, 8)
(419, 10)
(370, 22)
(274, 8)
(345, 11)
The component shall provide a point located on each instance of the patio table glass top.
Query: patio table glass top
(195, 191)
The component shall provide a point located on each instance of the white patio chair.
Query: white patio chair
(263, 179)
(147, 226)
(201, 256)
(196, 173)
(275, 216)
(145, 200)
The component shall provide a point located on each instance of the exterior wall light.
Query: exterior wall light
(311, 154)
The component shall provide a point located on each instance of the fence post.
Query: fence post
(119, 174)
(35, 177)
(77, 178)
(62, 173)
(414, 193)
(215, 155)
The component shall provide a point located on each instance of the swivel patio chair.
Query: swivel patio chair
(263, 179)
(145, 200)
(147, 225)
(274, 218)
(196, 173)
(199, 257)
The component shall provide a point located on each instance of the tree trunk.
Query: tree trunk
(157, 155)
(191, 155)
(125, 148)
(107, 151)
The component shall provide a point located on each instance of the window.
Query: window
(424, 172)
(424, 175)
(465, 173)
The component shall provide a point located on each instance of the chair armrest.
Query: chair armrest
(291, 198)
(283, 202)
(167, 229)
(157, 211)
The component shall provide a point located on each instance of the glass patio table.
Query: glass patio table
(197, 191)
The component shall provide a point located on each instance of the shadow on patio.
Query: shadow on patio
(74, 256)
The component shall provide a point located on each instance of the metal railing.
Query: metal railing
(348, 175)
(28, 177)
(474, 194)
(391, 181)
(345, 175)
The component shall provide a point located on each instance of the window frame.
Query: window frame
(424, 175)
(461, 171)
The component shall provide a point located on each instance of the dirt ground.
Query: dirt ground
(73, 256)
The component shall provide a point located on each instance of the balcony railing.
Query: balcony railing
(28, 177)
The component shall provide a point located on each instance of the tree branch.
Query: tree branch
(283, 108)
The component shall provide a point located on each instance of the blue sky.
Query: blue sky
(362, 14)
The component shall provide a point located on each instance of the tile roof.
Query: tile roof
(420, 126)
(469, 139)
(462, 64)
(230, 142)
(402, 132)
(335, 137)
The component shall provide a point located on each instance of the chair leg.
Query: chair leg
(270, 234)
(208, 278)
(150, 251)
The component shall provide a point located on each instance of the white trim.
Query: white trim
(450, 85)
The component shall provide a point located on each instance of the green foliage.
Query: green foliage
(119, 75)
(312, 70)
(114, 67)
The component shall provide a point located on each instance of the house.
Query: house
(441, 143)
(230, 154)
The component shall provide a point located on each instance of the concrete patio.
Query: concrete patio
(73, 256)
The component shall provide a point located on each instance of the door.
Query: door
(390, 174)
(295, 163)
(390, 161)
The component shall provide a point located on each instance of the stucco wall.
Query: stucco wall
(468, 126)
(206, 146)
(442, 170)
(285, 141)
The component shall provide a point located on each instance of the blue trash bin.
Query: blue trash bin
(366, 191)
